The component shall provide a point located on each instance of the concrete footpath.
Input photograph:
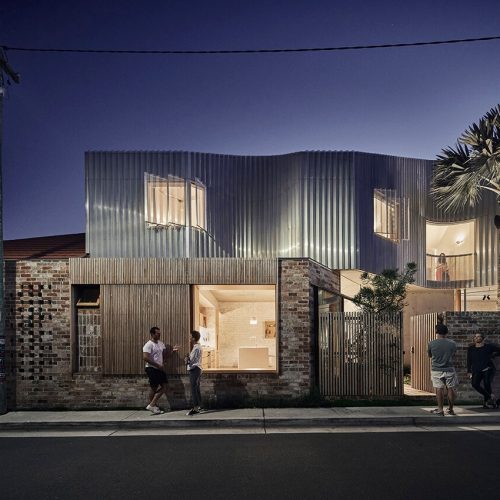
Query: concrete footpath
(262, 418)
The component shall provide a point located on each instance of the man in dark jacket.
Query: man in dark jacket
(480, 367)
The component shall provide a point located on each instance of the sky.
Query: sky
(401, 101)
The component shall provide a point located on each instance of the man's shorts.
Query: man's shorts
(156, 377)
(442, 379)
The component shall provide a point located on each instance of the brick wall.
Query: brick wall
(462, 326)
(40, 359)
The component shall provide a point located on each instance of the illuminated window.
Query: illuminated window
(237, 324)
(198, 205)
(390, 215)
(167, 200)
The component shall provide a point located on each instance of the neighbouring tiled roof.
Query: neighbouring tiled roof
(46, 247)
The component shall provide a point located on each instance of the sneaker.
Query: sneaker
(156, 411)
(149, 408)
(436, 411)
(192, 412)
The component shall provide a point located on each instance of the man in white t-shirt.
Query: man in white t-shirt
(155, 354)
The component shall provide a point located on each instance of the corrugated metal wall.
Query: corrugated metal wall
(309, 204)
(257, 207)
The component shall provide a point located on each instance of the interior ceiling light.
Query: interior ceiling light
(253, 320)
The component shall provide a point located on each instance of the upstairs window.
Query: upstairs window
(167, 201)
(390, 215)
(198, 205)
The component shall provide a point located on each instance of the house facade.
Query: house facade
(250, 251)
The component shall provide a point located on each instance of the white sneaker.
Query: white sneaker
(149, 408)
(156, 411)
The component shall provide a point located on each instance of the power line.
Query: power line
(253, 51)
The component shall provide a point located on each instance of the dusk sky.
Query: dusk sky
(399, 101)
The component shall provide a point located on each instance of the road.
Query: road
(366, 465)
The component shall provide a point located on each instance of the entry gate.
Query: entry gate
(421, 333)
(360, 354)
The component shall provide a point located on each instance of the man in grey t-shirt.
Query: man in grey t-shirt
(443, 374)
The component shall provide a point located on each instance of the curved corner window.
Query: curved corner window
(174, 201)
(450, 254)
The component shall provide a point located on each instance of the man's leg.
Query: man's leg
(151, 395)
(487, 378)
(157, 395)
(451, 397)
(440, 398)
(476, 383)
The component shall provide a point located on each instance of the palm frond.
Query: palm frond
(462, 173)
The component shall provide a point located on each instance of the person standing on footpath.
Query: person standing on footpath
(480, 367)
(155, 354)
(443, 374)
(193, 362)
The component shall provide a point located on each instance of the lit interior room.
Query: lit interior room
(237, 325)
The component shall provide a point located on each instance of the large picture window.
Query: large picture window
(167, 201)
(237, 325)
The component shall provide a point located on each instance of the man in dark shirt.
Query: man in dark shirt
(480, 367)
(443, 375)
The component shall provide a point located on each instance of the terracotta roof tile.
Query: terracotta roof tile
(46, 247)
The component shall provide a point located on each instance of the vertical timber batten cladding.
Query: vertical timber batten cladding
(129, 311)
(172, 271)
(139, 293)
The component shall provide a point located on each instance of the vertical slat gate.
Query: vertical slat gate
(421, 333)
(360, 354)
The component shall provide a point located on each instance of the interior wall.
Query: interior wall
(235, 330)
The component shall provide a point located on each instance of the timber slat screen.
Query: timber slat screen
(422, 332)
(129, 311)
(360, 354)
(173, 271)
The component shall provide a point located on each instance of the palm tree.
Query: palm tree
(461, 174)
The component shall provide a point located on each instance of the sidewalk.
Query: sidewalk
(245, 418)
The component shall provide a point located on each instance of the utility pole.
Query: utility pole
(11, 74)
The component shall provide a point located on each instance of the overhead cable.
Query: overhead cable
(253, 51)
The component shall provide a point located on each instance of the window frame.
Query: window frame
(196, 323)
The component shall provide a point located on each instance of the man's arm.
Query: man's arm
(146, 356)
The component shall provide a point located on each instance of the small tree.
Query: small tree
(385, 292)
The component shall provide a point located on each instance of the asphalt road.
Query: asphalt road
(402, 465)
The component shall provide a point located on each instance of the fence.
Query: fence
(422, 332)
(360, 354)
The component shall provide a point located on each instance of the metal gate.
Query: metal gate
(360, 354)
(421, 333)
